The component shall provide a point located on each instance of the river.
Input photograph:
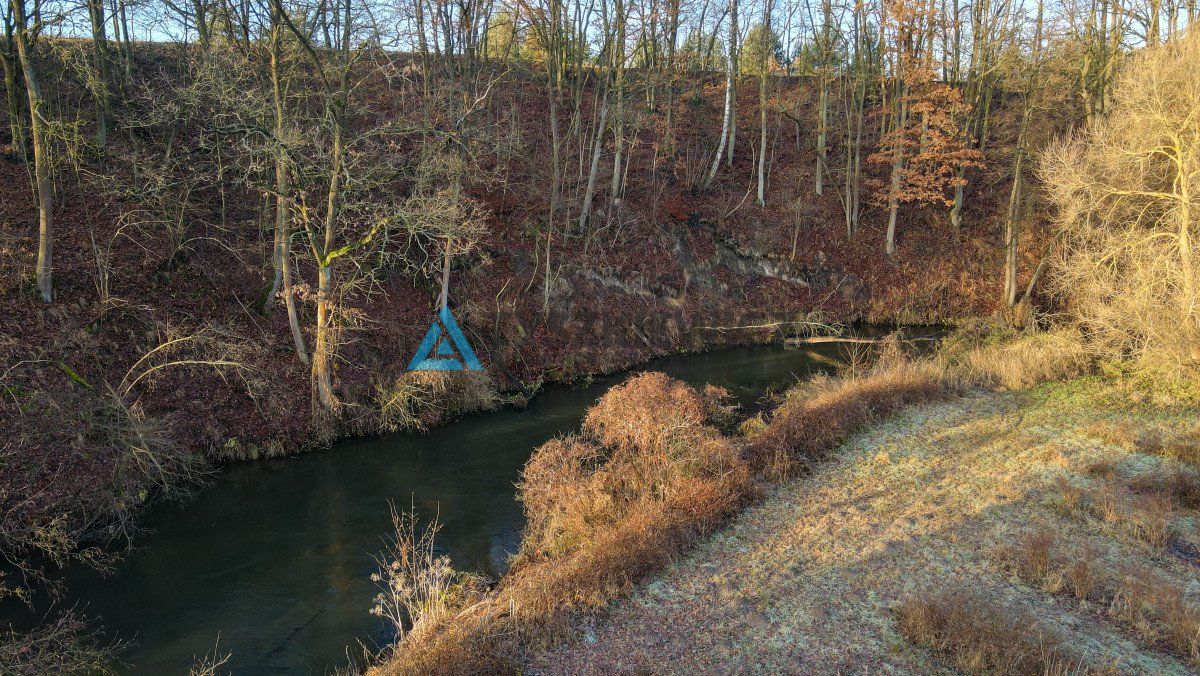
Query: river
(273, 561)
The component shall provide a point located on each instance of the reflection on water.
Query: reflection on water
(275, 559)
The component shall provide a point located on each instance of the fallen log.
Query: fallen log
(849, 339)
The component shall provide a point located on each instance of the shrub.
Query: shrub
(1026, 361)
(982, 636)
(646, 478)
(63, 645)
(1081, 572)
(413, 580)
(652, 447)
(418, 400)
(1121, 188)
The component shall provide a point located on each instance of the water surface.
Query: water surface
(275, 559)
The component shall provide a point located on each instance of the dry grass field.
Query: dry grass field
(1043, 530)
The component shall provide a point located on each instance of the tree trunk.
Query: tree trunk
(281, 181)
(727, 120)
(762, 146)
(1011, 233)
(617, 187)
(597, 145)
(41, 159)
(733, 69)
(100, 54)
(822, 130)
(322, 367)
(12, 90)
(897, 168)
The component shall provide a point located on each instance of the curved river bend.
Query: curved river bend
(275, 559)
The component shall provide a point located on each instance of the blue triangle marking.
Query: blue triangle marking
(452, 339)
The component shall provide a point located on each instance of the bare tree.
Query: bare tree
(727, 121)
(1127, 189)
(26, 32)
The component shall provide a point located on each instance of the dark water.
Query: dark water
(275, 559)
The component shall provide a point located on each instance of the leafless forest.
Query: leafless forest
(226, 224)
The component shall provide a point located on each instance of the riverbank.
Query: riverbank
(961, 534)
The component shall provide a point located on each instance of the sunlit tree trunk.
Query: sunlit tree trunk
(898, 159)
(734, 53)
(283, 215)
(585, 213)
(730, 75)
(11, 63)
(38, 128)
(1011, 232)
(764, 68)
(619, 91)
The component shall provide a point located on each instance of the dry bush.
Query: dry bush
(1158, 609)
(1181, 446)
(211, 663)
(1033, 557)
(602, 511)
(1122, 433)
(418, 400)
(752, 426)
(818, 415)
(417, 586)
(561, 502)
(1181, 486)
(1082, 574)
(413, 579)
(1026, 361)
(645, 412)
(1121, 188)
(63, 645)
(1147, 516)
(652, 446)
(1072, 495)
(982, 636)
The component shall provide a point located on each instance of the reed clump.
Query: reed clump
(982, 636)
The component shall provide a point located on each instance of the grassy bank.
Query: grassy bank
(928, 539)
(1042, 530)
(656, 467)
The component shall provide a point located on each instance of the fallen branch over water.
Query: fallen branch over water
(848, 339)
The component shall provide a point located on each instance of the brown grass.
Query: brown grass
(1144, 515)
(650, 472)
(1180, 485)
(1182, 446)
(1158, 610)
(818, 415)
(1122, 433)
(418, 400)
(1017, 362)
(1072, 495)
(646, 478)
(981, 636)
(1081, 572)
(1032, 556)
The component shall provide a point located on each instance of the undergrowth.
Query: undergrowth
(982, 636)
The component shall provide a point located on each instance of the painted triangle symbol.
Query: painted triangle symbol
(445, 348)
